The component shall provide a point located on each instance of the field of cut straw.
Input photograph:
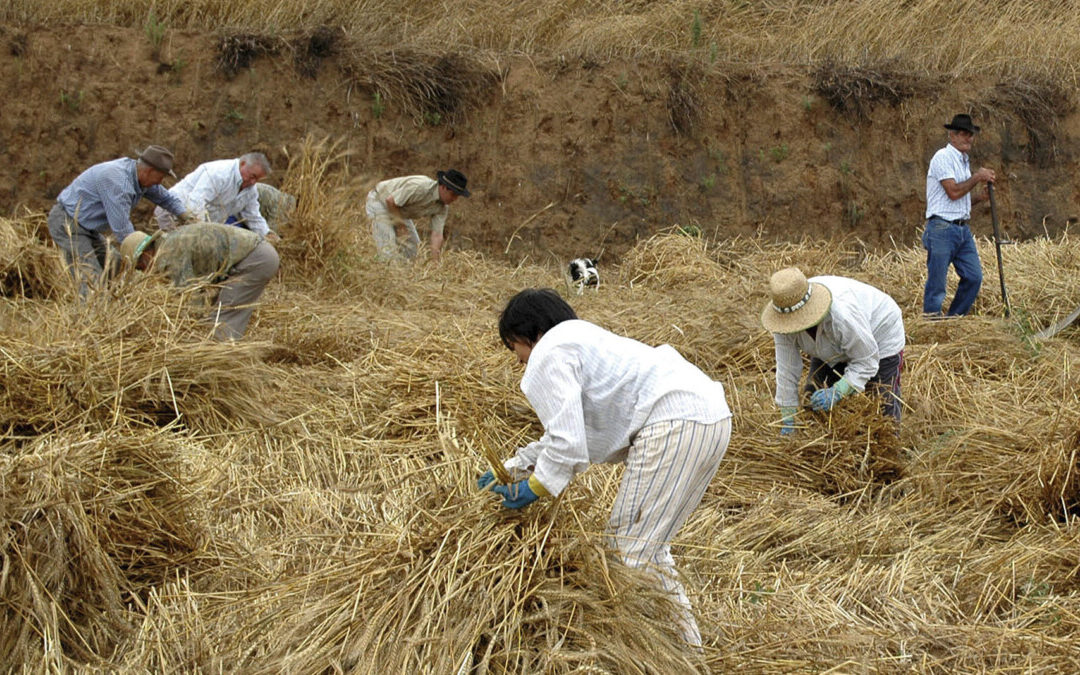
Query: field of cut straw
(304, 501)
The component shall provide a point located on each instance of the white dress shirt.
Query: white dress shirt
(212, 192)
(863, 326)
(947, 163)
(594, 391)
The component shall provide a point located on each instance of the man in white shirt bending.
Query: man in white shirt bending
(947, 237)
(853, 333)
(606, 398)
(222, 188)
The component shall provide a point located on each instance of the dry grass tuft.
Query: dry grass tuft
(28, 268)
(238, 51)
(433, 87)
(856, 89)
(310, 49)
(684, 104)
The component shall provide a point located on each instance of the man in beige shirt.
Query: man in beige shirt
(395, 202)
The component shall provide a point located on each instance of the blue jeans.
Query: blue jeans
(950, 244)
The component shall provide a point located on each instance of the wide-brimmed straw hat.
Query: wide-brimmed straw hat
(796, 304)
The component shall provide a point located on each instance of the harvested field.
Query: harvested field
(304, 501)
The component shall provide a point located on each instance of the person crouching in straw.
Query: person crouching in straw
(853, 333)
(606, 398)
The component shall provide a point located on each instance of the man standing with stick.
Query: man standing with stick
(947, 237)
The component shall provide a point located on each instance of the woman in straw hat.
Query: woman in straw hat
(606, 398)
(853, 333)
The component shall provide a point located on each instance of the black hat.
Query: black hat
(962, 122)
(454, 180)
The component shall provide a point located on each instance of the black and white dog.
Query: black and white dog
(583, 273)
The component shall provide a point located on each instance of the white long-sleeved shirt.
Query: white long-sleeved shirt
(212, 192)
(594, 390)
(947, 163)
(863, 326)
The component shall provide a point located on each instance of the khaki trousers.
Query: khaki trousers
(241, 290)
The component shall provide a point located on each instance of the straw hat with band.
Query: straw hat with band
(136, 243)
(796, 303)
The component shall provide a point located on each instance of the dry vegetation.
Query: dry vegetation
(304, 501)
(942, 37)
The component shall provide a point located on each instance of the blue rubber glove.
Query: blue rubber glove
(825, 399)
(520, 494)
(787, 420)
(485, 479)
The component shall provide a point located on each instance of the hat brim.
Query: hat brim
(971, 130)
(804, 317)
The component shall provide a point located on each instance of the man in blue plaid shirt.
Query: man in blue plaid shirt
(100, 200)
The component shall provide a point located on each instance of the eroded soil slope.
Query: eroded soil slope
(565, 157)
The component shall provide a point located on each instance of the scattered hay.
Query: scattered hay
(91, 523)
(324, 514)
(94, 365)
(28, 268)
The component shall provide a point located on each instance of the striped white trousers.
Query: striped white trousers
(668, 467)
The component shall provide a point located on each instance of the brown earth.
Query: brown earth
(565, 157)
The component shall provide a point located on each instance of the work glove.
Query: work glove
(825, 399)
(485, 479)
(186, 218)
(522, 493)
(787, 420)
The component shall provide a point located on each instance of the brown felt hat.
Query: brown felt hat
(158, 157)
(796, 303)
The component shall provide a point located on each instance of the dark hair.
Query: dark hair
(531, 313)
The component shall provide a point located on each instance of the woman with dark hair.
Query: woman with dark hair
(606, 398)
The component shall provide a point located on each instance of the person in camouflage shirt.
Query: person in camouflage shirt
(242, 261)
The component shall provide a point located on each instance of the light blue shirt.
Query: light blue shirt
(103, 196)
(947, 163)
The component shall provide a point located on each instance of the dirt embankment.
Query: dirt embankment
(564, 157)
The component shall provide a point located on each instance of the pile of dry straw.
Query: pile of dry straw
(304, 501)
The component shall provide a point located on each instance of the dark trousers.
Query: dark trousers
(85, 251)
(885, 383)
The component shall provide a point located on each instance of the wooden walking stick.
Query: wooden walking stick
(997, 245)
